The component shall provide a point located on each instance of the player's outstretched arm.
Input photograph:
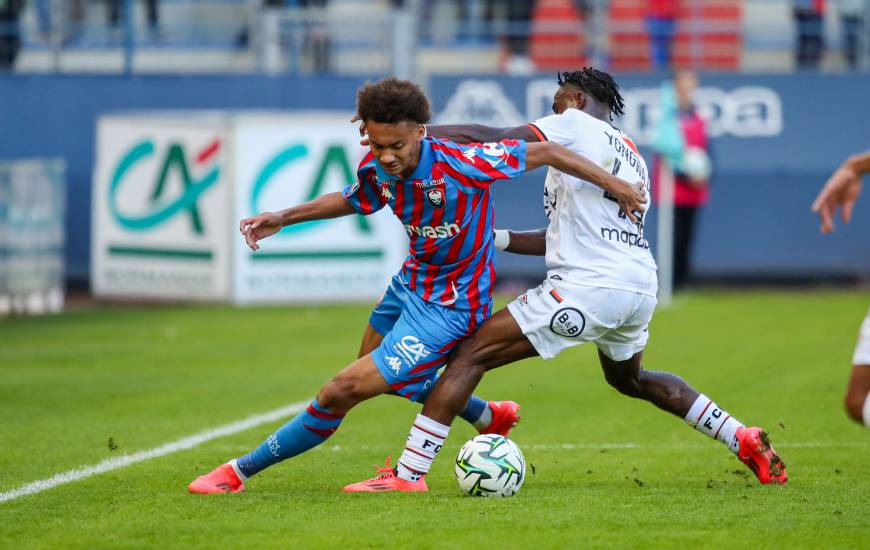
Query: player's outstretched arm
(476, 133)
(631, 198)
(531, 243)
(841, 190)
(256, 228)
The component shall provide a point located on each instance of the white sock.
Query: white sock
(865, 413)
(706, 417)
(484, 420)
(235, 464)
(425, 440)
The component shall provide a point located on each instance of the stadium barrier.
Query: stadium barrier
(31, 236)
(169, 189)
(774, 144)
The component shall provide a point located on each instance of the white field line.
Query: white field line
(163, 450)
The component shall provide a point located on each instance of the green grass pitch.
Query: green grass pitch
(609, 471)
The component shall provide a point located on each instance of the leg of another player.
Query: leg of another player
(497, 342)
(858, 395)
(356, 383)
(477, 411)
(671, 393)
(666, 391)
(370, 341)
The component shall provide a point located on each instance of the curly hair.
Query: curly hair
(392, 100)
(598, 84)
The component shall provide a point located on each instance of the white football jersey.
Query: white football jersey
(589, 240)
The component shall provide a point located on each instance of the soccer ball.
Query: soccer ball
(696, 164)
(490, 466)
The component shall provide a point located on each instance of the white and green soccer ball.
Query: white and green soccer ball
(696, 164)
(490, 466)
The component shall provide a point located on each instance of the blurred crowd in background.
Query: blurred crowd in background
(472, 36)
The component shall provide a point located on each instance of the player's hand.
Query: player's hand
(363, 132)
(841, 190)
(631, 198)
(259, 227)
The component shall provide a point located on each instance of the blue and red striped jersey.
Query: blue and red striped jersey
(446, 209)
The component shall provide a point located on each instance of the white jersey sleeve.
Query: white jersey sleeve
(565, 129)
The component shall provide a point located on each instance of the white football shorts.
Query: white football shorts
(557, 315)
(862, 348)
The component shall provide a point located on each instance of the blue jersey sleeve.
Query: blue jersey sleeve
(483, 163)
(364, 195)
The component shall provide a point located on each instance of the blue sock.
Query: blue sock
(304, 431)
(472, 411)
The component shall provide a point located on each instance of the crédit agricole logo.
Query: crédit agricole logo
(197, 174)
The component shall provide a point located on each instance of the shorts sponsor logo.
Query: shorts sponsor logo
(568, 322)
(411, 349)
(625, 237)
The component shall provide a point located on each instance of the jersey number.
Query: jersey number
(617, 164)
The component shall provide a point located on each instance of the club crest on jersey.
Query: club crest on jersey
(435, 198)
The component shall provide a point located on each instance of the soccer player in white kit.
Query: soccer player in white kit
(600, 287)
(841, 191)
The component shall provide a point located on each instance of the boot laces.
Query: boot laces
(386, 470)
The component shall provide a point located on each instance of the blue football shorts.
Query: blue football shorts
(418, 337)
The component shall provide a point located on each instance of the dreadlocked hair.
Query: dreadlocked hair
(596, 83)
(392, 100)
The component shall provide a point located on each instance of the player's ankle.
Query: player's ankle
(484, 420)
(424, 442)
(858, 407)
(708, 418)
(235, 464)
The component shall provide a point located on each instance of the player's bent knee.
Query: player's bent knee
(340, 394)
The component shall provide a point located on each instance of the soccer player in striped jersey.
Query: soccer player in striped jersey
(600, 287)
(442, 293)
